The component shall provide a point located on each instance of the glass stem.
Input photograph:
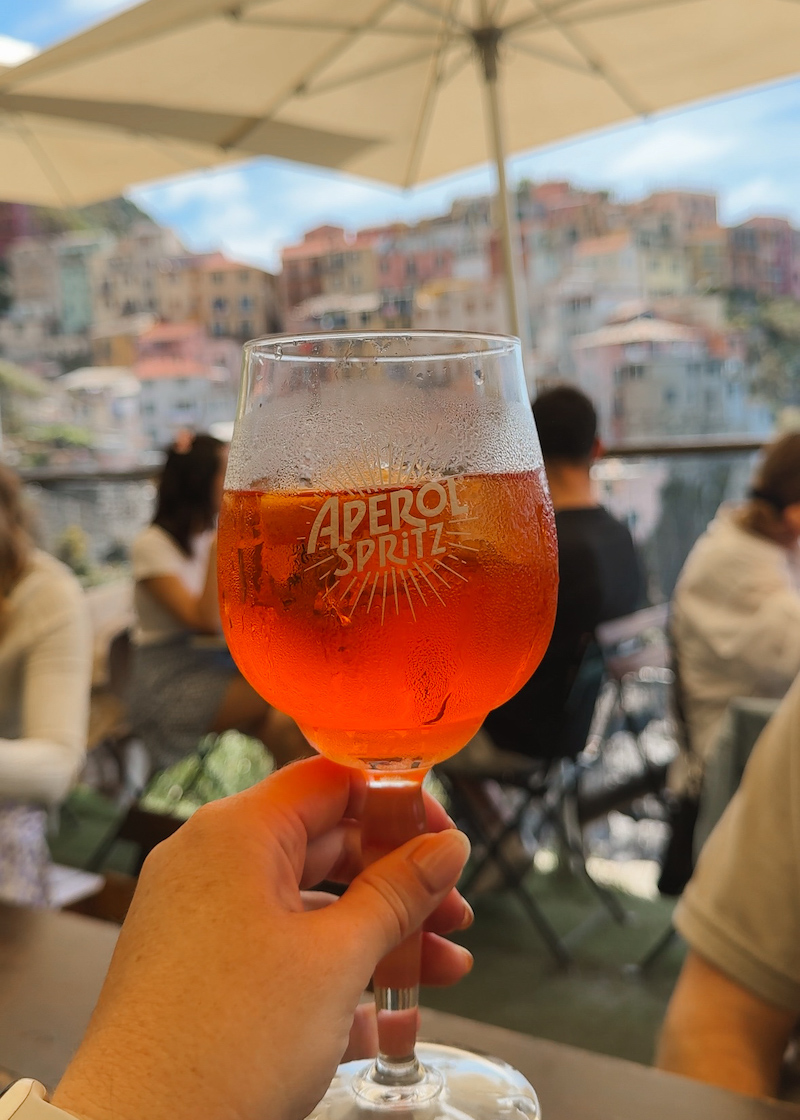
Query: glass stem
(394, 813)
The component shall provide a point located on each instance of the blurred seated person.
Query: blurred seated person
(184, 686)
(600, 577)
(737, 999)
(735, 617)
(45, 678)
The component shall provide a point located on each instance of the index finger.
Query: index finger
(316, 792)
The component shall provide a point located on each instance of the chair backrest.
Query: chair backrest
(635, 641)
(120, 660)
(110, 607)
(580, 705)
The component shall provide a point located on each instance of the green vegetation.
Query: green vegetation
(772, 330)
(223, 765)
(72, 549)
(15, 379)
(60, 435)
(117, 215)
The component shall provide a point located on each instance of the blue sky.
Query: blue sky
(746, 148)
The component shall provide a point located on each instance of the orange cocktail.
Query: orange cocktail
(388, 622)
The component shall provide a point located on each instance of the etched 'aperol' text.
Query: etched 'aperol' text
(389, 529)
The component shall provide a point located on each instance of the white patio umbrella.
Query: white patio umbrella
(68, 152)
(409, 81)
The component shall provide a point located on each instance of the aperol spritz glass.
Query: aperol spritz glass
(388, 574)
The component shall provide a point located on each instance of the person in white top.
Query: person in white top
(735, 618)
(45, 680)
(184, 683)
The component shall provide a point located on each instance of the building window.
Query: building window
(216, 277)
(244, 276)
(245, 304)
(218, 329)
(219, 304)
(630, 373)
(246, 328)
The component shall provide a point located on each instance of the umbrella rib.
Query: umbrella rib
(438, 15)
(540, 16)
(497, 11)
(46, 165)
(322, 64)
(318, 67)
(367, 72)
(531, 22)
(598, 67)
(551, 56)
(426, 110)
(332, 25)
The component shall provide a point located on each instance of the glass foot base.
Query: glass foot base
(461, 1086)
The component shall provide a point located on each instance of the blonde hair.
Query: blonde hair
(15, 540)
(776, 485)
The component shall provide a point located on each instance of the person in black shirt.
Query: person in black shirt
(600, 578)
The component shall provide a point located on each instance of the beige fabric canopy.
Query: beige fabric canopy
(402, 87)
(49, 159)
(57, 151)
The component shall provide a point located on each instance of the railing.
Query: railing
(630, 449)
(667, 489)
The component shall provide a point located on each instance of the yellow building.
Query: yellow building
(235, 300)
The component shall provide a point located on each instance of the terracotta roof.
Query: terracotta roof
(163, 369)
(167, 331)
(315, 247)
(609, 243)
(216, 262)
(763, 221)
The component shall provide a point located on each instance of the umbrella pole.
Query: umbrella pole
(486, 40)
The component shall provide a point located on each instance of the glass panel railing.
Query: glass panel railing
(667, 492)
(668, 500)
(90, 523)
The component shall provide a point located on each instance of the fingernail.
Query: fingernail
(440, 858)
(468, 916)
(469, 960)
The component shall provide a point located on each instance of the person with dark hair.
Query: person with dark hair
(735, 616)
(184, 686)
(600, 577)
(45, 678)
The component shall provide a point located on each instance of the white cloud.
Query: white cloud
(756, 195)
(669, 151)
(210, 188)
(15, 51)
(91, 8)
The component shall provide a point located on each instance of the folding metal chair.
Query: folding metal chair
(640, 682)
(549, 787)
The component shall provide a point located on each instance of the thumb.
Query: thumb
(393, 896)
